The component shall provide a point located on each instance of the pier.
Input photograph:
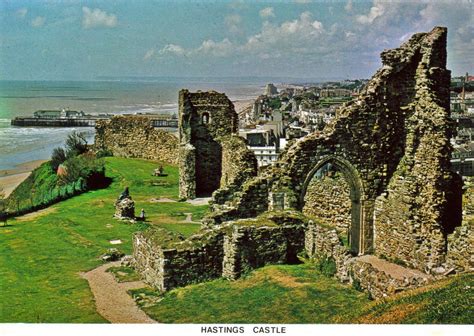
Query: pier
(158, 122)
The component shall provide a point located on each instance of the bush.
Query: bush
(57, 157)
(327, 266)
(76, 144)
(104, 153)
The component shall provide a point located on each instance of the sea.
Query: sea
(131, 96)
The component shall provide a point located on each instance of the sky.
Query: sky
(86, 40)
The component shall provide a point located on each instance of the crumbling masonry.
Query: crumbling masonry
(211, 155)
(391, 145)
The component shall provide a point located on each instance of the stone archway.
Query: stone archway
(359, 233)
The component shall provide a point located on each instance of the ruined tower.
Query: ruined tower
(204, 119)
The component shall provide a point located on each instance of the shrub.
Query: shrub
(57, 157)
(76, 144)
(326, 265)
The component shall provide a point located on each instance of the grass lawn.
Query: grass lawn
(301, 294)
(273, 294)
(42, 254)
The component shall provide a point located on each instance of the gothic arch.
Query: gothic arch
(361, 230)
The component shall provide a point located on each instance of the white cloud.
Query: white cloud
(38, 21)
(149, 54)
(219, 49)
(267, 12)
(348, 6)
(172, 49)
(97, 18)
(233, 23)
(376, 11)
(21, 13)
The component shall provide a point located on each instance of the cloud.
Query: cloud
(348, 6)
(219, 49)
(172, 49)
(267, 12)
(376, 11)
(93, 18)
(38, 21)
(149, 54)
(302, 2)
(21, 13)
(233, 23)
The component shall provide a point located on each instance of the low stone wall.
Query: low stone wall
(149, 254)
(250, 247)
(381, 278)
(167, 261)
(378, 277)
(324, 241)
(135, 137)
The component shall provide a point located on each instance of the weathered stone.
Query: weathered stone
(135, 137)
(211, 155)
(125, 209)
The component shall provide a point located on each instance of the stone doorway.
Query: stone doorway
(332, 194)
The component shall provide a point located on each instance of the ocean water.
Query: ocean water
(22, 98)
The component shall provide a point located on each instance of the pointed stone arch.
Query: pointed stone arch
(361, 229)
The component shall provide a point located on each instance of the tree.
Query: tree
(76, 144)
(57, 157)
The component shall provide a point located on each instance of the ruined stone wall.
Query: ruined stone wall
(460, 255)
(135, 137)
(411, 219)
(251, 246)
(392, 146)
(239, 164)
(167, 263)
(166, 260)
(328, 199)
(204, 117)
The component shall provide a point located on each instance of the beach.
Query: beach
(11, 178)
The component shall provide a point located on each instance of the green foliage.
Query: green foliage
(274, 103)
(76, 144)
(80, 168)
(104, 153)
(57, 157)
(448, 301)
(326, 265)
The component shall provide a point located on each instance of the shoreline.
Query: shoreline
(11, 178)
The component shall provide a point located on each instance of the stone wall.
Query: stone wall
(392, 146)
(166, 260)
(328, 199)
(252, 245)
(135, 137)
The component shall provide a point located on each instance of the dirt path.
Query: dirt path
(111, 298)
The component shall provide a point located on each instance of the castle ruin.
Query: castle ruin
(389, 152)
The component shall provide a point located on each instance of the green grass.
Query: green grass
(42, 254)
(273, 294)
(302, 294)
(448, 301)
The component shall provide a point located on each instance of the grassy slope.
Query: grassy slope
(41, 257)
